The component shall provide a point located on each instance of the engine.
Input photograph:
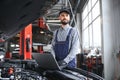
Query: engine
(19, 70)
(30, 70)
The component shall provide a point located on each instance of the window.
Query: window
(91, 24)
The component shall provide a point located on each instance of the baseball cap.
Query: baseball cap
(67, 10)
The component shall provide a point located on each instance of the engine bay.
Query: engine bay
(30, 70)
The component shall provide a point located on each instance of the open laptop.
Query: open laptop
(46, 61)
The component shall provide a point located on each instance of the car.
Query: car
(15, 15)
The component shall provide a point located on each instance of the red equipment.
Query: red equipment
(26, 42)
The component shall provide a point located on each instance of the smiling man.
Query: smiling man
(65, 43)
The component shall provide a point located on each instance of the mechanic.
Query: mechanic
(65, 42)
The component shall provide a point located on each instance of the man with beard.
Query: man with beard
(65, 43)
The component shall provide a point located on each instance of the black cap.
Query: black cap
(65, 10)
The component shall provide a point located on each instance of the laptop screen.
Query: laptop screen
(46, 61)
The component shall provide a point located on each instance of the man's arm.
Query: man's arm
(75, 45)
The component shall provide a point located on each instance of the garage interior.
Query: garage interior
(26, 28)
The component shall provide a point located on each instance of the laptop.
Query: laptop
(46, 61)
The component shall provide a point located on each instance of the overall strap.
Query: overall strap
(56, 36)
(69, 34)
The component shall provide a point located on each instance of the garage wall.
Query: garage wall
(111, 37)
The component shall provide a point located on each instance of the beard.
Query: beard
(64, 22)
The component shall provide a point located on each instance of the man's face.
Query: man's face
(64, 18)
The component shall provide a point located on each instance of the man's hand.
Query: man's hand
(62, 64)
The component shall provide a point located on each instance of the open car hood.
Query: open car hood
(17, 14)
